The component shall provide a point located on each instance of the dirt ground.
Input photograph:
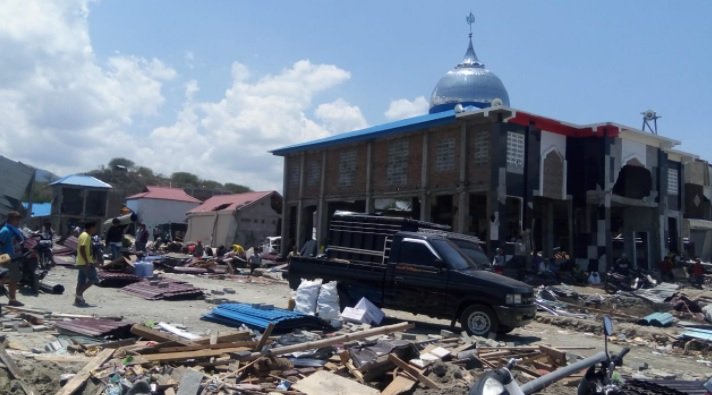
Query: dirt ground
(584, 335)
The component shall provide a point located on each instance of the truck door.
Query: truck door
(416, 278)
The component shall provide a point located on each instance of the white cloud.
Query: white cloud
(63, 109)
(228, 140)
(340, 116)
(404, 108)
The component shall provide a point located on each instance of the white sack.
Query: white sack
(327, 305)
(306, 297)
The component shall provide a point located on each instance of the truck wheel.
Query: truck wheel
(479, 320)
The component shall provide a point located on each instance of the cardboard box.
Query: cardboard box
(375, 315)
(352, 314)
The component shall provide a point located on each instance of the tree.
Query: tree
(117, 163)
(184, 179)
(235, 188)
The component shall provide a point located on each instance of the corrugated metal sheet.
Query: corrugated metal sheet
(164, 193)
(667, 387)
(404, 125)
(657, 319)
(96, 327)
(696, 333)
(15, 178)
(229, 202)
(82, 181)
(163, 290)
(116, 279)
(260, 316)
(39, 209)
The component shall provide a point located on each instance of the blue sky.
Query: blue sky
(209, 87)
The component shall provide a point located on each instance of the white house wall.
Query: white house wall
(153, 212)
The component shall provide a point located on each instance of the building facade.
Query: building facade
(516, 179)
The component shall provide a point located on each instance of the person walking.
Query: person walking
(10, 239)
(86, 273)
(697, 273)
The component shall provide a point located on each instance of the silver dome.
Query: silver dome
(469, 84)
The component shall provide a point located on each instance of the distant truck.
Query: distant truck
(419, 267)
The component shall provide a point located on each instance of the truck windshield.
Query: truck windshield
(452, 255)
(473, 251)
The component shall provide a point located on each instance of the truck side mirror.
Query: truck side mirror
(439, 264)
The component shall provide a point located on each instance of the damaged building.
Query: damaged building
(513, 178)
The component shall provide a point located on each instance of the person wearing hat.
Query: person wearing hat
(10, 236)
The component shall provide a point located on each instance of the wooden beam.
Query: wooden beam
(265, 337)
(152, 334)
(78, 380)
(217, 346)
(399, 385)
(334, 340)
(413, 371)
(179, 356)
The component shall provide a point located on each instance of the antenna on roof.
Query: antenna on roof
(470, 21)
(650, 116)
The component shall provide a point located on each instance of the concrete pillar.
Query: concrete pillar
(463, 206)
(369, 176)
(424, 192)
(321, 209)
(284, 248)
(300, 203)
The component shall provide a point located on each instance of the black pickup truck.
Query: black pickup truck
(415, 266)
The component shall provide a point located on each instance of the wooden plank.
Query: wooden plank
(78, 380)
(217, 346)
(334, 340)
(152, 334)
(399, 385)
(324, 382)
(225, 337)
(179, 356)
(558, 357)
(413, 371)
(16, 372)
(265, 336)
(190, 383)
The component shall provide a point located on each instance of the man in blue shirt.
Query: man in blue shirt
(10, 235)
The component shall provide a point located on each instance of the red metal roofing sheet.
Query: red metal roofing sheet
(165, 193)
(229, 202)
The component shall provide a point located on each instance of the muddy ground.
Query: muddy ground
(650, 346)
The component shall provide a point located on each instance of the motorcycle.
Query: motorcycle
(32, 271)
(636, 279)
(602, 381)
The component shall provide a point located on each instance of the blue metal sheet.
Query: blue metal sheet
(260, 316)
(39, 209)
(658, 319)
(701, 334)
(404, 125)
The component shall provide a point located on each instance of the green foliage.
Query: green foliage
(184, 179)
(235, 188)
(128, 178)
(121, 162)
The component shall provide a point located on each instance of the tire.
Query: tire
(479, 320)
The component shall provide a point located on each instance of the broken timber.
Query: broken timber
(83, 375)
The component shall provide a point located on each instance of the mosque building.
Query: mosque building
(515, 179)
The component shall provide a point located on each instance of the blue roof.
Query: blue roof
(657, 319)
(260, 316)
(39, 209)
(404, 125)
(81, 181)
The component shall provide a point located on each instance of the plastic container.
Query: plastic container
(148, 269)
(140, 268)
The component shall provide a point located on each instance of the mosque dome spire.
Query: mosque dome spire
(469, 83)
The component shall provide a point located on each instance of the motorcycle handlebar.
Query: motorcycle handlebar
(543, 381)
(618, 359)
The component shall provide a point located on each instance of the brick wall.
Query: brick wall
(397, 163)
(478, 154)
(346, 170)
(443, 158)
